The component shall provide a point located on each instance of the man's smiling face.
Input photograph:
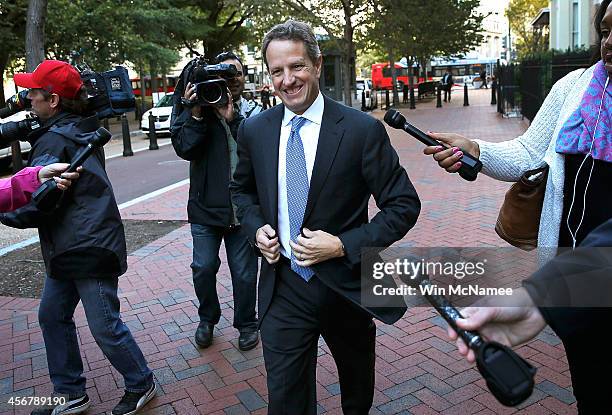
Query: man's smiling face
(294, 75)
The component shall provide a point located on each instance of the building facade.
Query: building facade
(571, 23)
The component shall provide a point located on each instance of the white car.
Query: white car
(6, 152)
(161, 111)
(370, 95)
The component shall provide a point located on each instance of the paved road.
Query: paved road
(145, 172)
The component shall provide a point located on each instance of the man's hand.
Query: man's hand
(267, 242)
(449, 159)
(509, 326)
(190, 94)
(227, 111)
(56, 171)
(315, 247)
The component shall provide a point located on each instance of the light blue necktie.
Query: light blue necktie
(297, 189)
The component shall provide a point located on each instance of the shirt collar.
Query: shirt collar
(314, 113)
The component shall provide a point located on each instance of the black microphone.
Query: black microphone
(509, 377)
(48, 196)
(470, 166)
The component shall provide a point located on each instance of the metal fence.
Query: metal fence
(523, 87)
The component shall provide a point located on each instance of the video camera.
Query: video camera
(209, 81)
(109, 94)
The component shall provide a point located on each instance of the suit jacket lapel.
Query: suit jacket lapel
(269, 150)
(330, 136)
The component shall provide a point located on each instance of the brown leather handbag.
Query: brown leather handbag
(519, 217)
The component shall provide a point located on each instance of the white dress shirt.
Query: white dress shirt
(310, 138)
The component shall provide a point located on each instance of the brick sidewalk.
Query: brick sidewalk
(417, 371)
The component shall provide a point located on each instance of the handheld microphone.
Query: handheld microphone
(48, 196)
(470, 166)
(509, 377)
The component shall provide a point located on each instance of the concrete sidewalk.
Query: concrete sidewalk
(417, 370)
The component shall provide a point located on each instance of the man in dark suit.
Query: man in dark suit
(305, 173)
(447, 84)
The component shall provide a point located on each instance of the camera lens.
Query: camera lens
(211, 92)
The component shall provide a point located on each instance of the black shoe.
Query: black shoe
(73, 405)
(132, 402)
(248, 340)
(204, 335)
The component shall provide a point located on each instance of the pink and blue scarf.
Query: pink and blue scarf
(576, 135)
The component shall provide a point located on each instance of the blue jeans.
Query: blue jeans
(101, 304)
(242, 263)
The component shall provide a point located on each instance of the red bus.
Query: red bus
(381, 75)
(170, 80)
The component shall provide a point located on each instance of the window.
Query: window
(575, 25)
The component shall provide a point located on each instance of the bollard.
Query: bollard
(363, 102)
(127, 144)
(105, 124)
(387, 103)
(412, 100)
(152, 134)
(466, 101)
(493, 94)
(439, 97)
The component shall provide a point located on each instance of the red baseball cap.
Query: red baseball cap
(55, 77)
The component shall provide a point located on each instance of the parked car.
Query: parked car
(371, 99)
(6, 152)
(161, 111)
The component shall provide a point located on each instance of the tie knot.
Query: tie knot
(297, 123)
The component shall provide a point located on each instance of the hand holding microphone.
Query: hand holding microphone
(460, 156)
(48, 196)
(509, 377)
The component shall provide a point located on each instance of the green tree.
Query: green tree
(445, 28)
(529, 40)
(421, 29)
(12, 35)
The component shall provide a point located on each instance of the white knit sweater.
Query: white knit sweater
(508, 160)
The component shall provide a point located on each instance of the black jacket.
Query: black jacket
(354, 160)
(84, 237)
(574, 290)
(204, 144)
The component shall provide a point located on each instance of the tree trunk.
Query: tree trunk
(393, 80)
(349, 50)
(35, 33)
(3, 63)
(154, 86)
(348, 73)
(143, 91)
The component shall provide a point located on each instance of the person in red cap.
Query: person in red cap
(83, 246)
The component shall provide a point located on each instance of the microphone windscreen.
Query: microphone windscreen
(395, 119)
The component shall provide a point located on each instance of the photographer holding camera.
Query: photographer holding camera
(205, 119)
(83, 246)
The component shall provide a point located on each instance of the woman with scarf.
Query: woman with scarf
(572, 134)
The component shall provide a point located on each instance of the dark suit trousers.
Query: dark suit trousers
(300, 311)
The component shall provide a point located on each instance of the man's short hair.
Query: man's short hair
(77, 106)
(224, 56)
(296, 31)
